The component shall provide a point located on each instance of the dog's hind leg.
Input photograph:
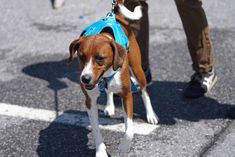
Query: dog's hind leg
(134, 59)
(150, 114)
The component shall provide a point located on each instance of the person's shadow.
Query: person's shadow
(53, 72)
(62, 140)
(169, 104)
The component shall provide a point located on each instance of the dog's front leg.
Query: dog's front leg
(125, 142)
(93, 117)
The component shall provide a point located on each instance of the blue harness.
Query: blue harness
(111, 25)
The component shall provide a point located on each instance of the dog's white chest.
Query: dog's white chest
(115, 85)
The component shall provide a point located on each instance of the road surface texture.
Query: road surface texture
(42, 111)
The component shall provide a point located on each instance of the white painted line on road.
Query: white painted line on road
(71, 118)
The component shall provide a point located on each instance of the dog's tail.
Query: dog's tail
(135, 15)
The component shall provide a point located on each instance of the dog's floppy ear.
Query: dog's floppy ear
(118, 56)
(73, 48)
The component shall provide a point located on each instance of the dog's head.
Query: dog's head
(96, 55)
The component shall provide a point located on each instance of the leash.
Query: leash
(114, 3)
(111, 13)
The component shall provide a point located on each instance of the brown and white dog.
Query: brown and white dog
(99, 56)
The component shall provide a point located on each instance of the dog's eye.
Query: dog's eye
(82, 58)
(99, 59)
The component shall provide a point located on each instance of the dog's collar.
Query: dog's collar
(109, 24)
(103, 83)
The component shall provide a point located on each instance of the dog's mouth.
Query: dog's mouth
(90, 86)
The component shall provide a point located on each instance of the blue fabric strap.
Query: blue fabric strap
(108, 22)
(104, 83)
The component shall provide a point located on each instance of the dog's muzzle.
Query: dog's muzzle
(88, 83)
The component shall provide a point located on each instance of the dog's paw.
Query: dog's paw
(152, 118)
(89, 127)
(101, 151)
(101, 154)
(109, 110)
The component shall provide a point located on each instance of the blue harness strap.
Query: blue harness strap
(109, 23)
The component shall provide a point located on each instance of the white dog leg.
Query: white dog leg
(109, 108)
(151, 115)
(125, 142)
(93, 116)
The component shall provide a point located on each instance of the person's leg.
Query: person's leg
(197, 32)
(141, 30)
(200, 46)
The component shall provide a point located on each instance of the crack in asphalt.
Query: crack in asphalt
(212, 143)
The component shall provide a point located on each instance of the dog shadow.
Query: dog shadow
(68, 140)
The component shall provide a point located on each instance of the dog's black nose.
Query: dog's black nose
(86, 79)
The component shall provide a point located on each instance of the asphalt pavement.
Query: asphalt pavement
(47, 117)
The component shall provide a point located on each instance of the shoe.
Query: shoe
(200, 84)
(148, 77)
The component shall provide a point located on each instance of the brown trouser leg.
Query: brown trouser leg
(196, 29)
(197, 32)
